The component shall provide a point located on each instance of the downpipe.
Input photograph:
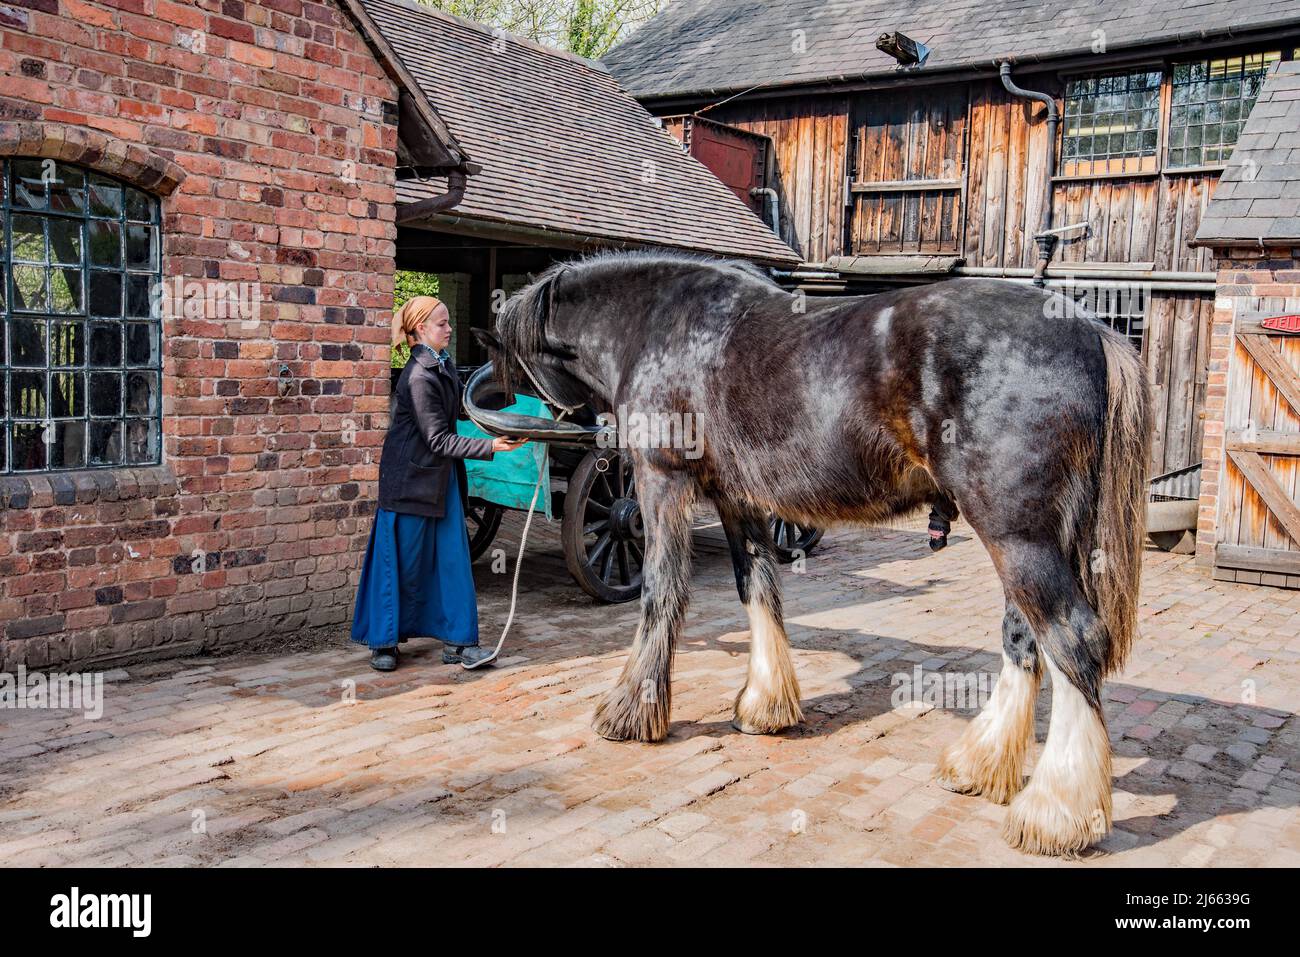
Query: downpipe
(773, 205)
(1045, 238)
(456, 181)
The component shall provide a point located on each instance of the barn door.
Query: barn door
(907, 174)
(1258, 531)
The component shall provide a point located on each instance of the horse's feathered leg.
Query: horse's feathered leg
(989, 758)
(1066, 805)
(770, 699)
(638, 707)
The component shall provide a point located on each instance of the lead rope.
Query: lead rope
(519, 560)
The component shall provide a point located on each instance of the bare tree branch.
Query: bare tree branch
(588, 28)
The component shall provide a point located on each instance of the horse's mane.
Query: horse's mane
(608, 259)
(521, 323)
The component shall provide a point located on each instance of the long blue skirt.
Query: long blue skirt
(417, 581)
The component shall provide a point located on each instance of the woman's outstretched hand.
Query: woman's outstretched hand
(502, 444)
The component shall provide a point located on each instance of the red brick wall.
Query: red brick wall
(1249, 280)
(269, 132)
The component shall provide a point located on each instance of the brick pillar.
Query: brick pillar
(1249, 280)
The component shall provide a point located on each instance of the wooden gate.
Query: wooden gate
(1258, 531)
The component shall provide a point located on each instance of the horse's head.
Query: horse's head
(530, 348)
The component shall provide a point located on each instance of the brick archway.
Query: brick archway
(130, 162)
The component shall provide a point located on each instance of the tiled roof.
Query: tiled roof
(562, 145)
(715, 46)
(1258, 196)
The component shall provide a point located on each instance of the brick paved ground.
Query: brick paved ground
(260, 759)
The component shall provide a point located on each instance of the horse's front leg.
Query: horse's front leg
(637, 708)
(770, 699)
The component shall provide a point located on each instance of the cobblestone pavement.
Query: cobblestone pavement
(248, 759)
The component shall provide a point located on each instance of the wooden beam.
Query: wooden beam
(907, 186)
(1283, 377)
(1255, 327)
(1275, 560)
(1266, 486)
(1264, 442)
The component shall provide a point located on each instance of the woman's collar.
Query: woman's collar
(426, 356)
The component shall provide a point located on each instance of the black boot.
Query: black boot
(469, 655)
(384, 659)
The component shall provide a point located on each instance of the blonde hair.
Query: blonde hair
(413, 312)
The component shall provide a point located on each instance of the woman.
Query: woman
(416, 580)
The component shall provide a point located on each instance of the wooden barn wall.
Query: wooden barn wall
(1004, 179)
(1177, 356)
(810, 139)
(907, 137)
(1147, 219)
(1131, 219)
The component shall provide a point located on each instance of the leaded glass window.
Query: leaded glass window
(1211, 100)
(80, 342)
(1112, 123)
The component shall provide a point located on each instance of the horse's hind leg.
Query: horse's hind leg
(1067, 803)
(638, 707)
(770, 699)
(989, 758)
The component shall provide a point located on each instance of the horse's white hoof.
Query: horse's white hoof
(743, 729)
(1040, 822)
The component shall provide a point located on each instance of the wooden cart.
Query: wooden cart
(594, 490)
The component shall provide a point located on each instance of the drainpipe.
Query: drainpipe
(436, 204)
(1045, 238)
(773, 205)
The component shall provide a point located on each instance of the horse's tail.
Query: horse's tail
(1114, 569)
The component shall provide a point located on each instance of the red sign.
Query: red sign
(1289, 324)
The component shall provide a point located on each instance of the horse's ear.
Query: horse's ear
(543, 302)
(487, 339)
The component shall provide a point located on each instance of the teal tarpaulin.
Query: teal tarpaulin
(509, 479)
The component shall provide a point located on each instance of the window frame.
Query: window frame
(1172, 83)
(1143, 164)
(1287, 47)
(11, 318)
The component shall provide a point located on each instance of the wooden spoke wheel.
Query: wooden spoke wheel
(604, 537)
(482, 519)
(793, 540)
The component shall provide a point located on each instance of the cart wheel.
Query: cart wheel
(792, 540)
(604, 538)
(482, 519)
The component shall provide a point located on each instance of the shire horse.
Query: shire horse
(996, 399)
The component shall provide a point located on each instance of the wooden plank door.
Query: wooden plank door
(1258, 531)
(908, 171)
